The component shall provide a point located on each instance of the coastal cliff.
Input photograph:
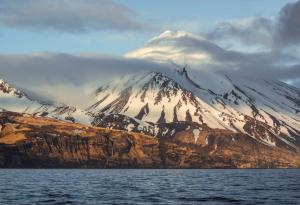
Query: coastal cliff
(39, 142)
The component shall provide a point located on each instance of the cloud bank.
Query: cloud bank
(73, 16)
(200, 53)
(65, 77)
(278, 32)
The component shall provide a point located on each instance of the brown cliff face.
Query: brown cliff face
(27, 141)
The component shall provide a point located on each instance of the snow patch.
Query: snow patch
(196, 133)
(130, 127)
(206, 141)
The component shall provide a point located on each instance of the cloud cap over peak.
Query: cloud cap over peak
(200, 53)
(176, 46)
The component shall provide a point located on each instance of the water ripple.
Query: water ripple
(245, 187)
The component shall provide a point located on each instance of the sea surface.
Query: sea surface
(196, 186)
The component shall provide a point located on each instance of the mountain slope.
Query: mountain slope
(267, 111)
(12, 99)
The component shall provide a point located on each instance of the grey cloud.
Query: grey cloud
(67, 78)
(231, 57)
(59, 68)
(274, 64)
(288, 26)
(67, 15)
(258, 31)
(297, 83)
(292, 72)
(281, 31)
(269, 71)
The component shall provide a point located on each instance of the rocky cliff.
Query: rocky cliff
(39, 142)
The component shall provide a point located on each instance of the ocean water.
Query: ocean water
(91, 186)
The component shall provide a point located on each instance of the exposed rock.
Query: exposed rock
(51, 143)
(144, 111)
(7, 129)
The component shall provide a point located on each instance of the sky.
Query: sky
(50, 45)
(192, 15)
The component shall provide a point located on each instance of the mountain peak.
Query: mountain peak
(6, 88)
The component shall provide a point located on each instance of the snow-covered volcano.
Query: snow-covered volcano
(163, 103)
(13, 99)
(266, 110)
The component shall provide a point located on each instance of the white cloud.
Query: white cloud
(171, 46)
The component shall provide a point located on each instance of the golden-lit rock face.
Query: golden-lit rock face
(27, 141)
